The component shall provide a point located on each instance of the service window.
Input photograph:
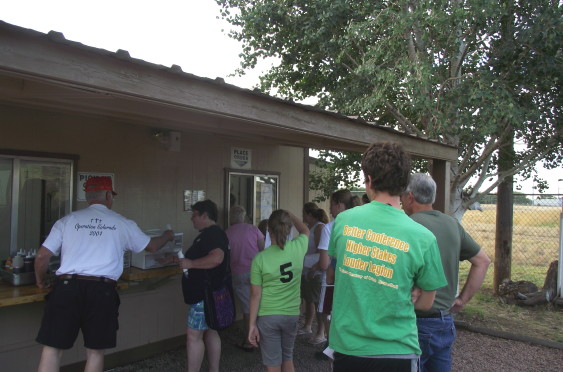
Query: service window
(257, 192)
(34, 194)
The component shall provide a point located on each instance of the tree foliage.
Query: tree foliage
(437, 68)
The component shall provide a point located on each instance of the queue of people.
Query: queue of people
(380, 278)
(311, 282)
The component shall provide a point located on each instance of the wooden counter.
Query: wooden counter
(133, 273)
(15, 295)
(23, 294)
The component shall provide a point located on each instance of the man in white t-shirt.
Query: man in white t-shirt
(91, 243)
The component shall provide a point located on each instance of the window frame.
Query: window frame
(254, 174)
(17, 156)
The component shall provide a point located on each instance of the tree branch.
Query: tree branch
(488, 150)
(405, 123)
(530, 159)
(351, 59)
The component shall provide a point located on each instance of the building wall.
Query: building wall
(150, 180)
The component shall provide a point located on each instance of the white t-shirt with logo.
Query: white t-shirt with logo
(92, 242)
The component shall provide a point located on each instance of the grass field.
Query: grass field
(535, 246)
(535, 242)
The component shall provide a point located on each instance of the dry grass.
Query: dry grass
(535, 240)
(535, 245)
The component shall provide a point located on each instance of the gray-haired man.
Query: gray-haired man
(436, 330)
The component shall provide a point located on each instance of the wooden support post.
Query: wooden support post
(441, 175)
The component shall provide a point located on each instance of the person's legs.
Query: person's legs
(436, 337)
(50, 359)
(241, 287)
(288, 327)
(212, 343)
(316, 283)
(195, 346)
(287, 366)
(308, 306)
(246, 345)
(99, 314)
(270, 340)
(94, 360)
(320, 335)
(195, 349)
(309, 317)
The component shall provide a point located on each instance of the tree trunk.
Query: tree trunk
(550, 283)
(504, 222)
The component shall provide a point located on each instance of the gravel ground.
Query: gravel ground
(472, 352)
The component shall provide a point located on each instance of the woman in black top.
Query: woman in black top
(206, 260)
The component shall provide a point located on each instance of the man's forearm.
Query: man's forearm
(479, 266)
(41, 265)
(425, 300)
(213, 259)
(159, 241)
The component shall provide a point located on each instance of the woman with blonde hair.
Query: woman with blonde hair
(275, 277)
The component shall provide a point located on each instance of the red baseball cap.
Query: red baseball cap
(102, 183)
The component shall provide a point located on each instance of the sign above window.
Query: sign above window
(241, 158)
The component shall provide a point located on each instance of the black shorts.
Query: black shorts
(86, 305)
(311, 288)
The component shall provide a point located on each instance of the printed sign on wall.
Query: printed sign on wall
(241, 158)
(191, 197)
(83, 177)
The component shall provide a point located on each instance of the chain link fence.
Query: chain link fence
(535, 240)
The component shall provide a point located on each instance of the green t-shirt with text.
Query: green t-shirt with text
(381, 254)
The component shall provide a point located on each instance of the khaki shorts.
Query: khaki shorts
(277, 337)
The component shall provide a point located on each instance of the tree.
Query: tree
(436, 68)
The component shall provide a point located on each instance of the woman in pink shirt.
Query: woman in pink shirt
(245, 241)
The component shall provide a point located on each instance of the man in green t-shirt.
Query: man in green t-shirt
(381, 255)
(436, 330)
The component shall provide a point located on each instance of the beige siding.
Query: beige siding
(149, 178)
(150, 181)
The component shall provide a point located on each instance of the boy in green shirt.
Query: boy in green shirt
(381, 255)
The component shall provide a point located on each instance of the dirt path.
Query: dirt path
(472, 352)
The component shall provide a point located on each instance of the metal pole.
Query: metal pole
(560, 266)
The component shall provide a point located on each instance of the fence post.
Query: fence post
(560, 263)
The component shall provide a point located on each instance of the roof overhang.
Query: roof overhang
(46, 71)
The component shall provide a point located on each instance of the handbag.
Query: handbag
(219, 305)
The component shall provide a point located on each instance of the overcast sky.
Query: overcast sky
(166, 32)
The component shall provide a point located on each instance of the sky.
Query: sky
(186, 33)
(166, 32)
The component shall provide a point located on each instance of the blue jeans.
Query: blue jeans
(436, 336)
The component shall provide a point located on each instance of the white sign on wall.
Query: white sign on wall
(241, 158)
(191, 197)
(83, 177)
